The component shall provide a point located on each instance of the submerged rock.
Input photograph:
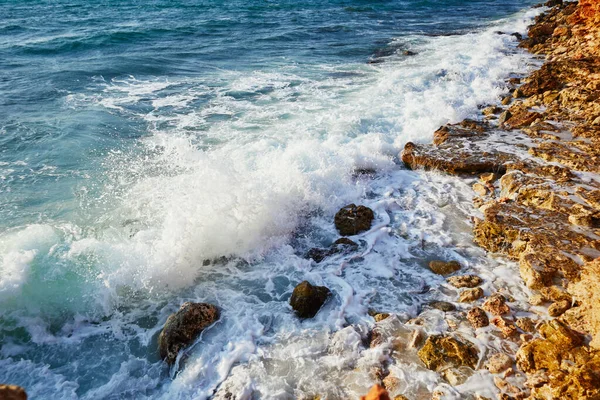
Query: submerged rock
(440, 352)
(498, 362)
(182, 328)
(12, 392)
(470, 295)
(307, 299)
(442, 306)
(353, 219)
(444, 267)
(342, 245)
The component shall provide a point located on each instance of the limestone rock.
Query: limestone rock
(526, 324)
(464, 281)
(444, 267)
(12, 392)
(470, 295)
(183, 327)
(498, 362)
(496, 305)
(478, 318)
(440, 352)
(353, 219)
(307, 299)
(506, 326)
(558, 308)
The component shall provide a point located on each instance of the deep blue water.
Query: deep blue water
(138, 138)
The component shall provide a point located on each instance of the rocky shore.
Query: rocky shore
(537, 155)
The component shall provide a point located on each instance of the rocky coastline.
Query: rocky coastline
(537, 154)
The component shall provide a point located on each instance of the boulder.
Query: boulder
(506, 326)
(12, 392)
(478, 318)
(183, 327)
(444, 267)
(465, 281)
(307, 299)
(558, 308)
(353, 219)
(526, 324)
(441, 352)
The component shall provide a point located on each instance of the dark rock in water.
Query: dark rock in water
(12, 392)
(442, 305)
(182, 328)
(554, 3)
(517, 35)
(444, 267)
(342, 245)
(409, 53)
(353, 219)
(307, 299)
(441, 352)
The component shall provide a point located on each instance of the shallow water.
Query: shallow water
(138, 140)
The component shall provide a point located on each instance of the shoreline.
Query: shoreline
(538, 157)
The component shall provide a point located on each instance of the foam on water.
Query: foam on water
(252, 166)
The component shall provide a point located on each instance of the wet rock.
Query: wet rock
(558, 308)
(441, 352)
(376, 393)
(307, 299)
(183, 327)
(480, 189)
(12, 392)
(444, 267)
(505, 116)
(342, 245)
(380, 316)
(470, 295)
(352, 219)
(496, 305)
(488, 177)
(506, 326)
(442, 306)
(456, 376)
(464, 281)
(391, 383)
(478, 318)
(491, 110)
(498, 363)
(526, 324)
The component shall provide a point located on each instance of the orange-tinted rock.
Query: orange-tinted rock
(464, 281)
(12, 392)
(470, 295)
(444, 267)
(506, 326)
(496, 305)
(376, 393)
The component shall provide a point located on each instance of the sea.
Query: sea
(162, 151)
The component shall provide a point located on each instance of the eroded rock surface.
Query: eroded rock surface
(440, 352)
(183, 327)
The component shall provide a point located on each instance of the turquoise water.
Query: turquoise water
(139, 139)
